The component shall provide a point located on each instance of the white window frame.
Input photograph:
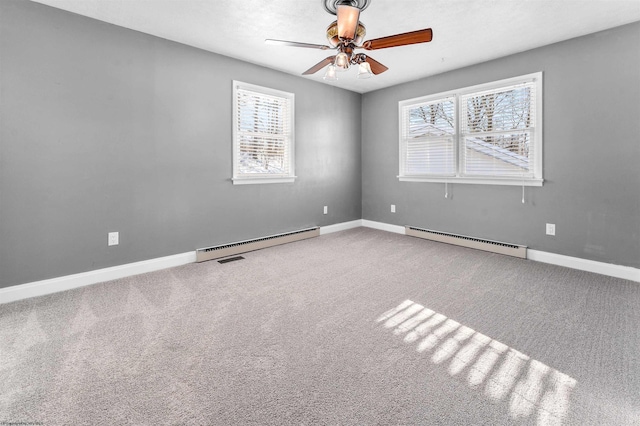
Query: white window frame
(459, 177)
(262, 178)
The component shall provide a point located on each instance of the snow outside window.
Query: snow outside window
(262, 135)
(491, 134)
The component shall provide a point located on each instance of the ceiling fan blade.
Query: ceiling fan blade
(296, 44)
(413, 37)
(376, 67)
(347, 21)
(317, 67)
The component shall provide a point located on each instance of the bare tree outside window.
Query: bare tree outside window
(430, 138)
(263, 135)
(489, 133)
(507, 111)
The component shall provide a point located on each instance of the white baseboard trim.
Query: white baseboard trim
(54, 285)
(340, 227)
(397, 229)
(617, 271)
(609, 269)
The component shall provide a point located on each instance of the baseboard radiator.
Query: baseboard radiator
(231, 249)
(461, 240)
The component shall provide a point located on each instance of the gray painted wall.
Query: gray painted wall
(591, 155)
(106, 129)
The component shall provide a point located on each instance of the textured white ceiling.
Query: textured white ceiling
(466, 32)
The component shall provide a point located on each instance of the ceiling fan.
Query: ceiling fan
(346, 34)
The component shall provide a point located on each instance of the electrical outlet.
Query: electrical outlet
(393, 208)
(551, 229)
(326, 209)
(113, 238)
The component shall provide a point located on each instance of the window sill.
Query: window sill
(476, 181)
(260, 180)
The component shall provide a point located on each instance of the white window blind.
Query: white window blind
(428, 131)
(490, 133)
(263, 135)
(497, 128)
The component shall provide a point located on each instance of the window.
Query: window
(491, 134)
(262, 135)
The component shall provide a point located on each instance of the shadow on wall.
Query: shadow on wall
(501, 372)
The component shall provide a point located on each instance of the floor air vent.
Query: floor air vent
(461, 240)
(231, 249)
(230, 259)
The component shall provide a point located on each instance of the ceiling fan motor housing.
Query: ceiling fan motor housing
(331, 6)
(334, 39)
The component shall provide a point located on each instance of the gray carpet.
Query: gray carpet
(360, 327)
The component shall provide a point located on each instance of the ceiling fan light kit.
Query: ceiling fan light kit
(364, 70)
(342, 61)
(346, 34)
(330, 74)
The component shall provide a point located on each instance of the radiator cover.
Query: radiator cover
(471, 242)
(231, 249)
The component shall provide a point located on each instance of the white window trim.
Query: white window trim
(262, 178)
(259, 180)
(537, 180)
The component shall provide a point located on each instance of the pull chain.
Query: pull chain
(446, 190)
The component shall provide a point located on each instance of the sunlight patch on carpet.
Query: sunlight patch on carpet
(499, 371)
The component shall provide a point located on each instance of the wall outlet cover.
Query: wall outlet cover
(551, 229)
(113, 239)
